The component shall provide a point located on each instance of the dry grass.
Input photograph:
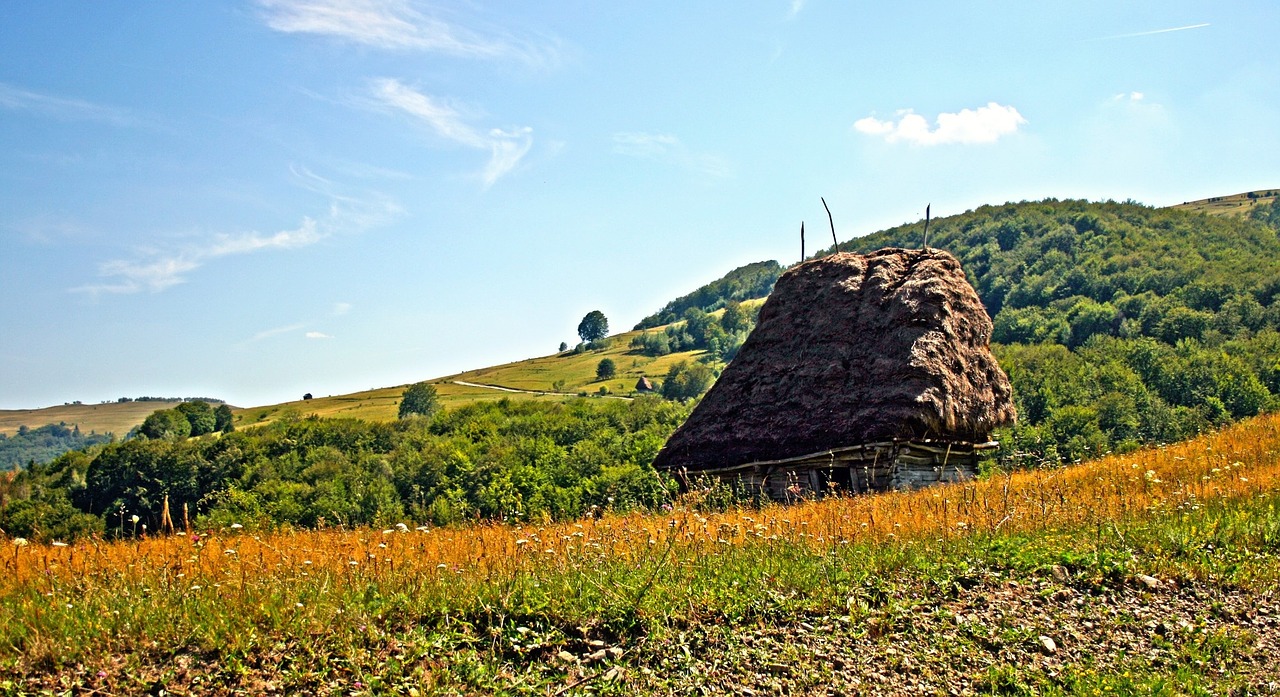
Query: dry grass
(1233, 206)
(1238, 462)
(117, 418)
(528, 609)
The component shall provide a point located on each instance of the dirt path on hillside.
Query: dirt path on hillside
(500, 388)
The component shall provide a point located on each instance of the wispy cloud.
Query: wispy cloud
(664, 147)
(157, 269)
(318, 335)
(985, 124)
(277, 331)
(794, 8)
(506, 147)
(401, 25)
(63, 108)
(1149, 33)
(340, 309)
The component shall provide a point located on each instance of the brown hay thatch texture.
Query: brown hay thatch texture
(853, 349)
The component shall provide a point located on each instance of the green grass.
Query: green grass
(776, 614)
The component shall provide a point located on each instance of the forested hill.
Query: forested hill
(1145, 262)
(1120, 325)
(743, 283)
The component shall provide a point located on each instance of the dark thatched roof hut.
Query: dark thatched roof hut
(864, 372)
(644, 384)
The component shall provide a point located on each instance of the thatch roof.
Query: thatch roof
(644, 385)
(852, 349)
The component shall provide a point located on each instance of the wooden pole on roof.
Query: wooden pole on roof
(834, 241)
(926, 227)
(801, 240)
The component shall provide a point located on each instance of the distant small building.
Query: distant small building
(306, 396)
(644, 385)
(865, 373)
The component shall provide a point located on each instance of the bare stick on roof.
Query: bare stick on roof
(926, 227)
(801, 240)
(833, 225)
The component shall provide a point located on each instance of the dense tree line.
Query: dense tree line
(743, 283)
(505, 460)
(42, 444)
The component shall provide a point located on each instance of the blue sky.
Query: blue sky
(253, 199)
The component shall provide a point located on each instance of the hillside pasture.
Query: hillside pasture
(114, 417)
(1235, 205)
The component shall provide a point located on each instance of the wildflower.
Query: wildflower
(134, 518)
(387, 531)
(422, 528)
(236, 526)
(59, 544)
(401, 527)
(20, 541)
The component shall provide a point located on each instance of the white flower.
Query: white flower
(134, 518)
(236, 526)
(59, 544)
(20, 541)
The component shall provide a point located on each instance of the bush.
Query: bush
(606, 369)
(420, 399)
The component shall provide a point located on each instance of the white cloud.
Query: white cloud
(982, 125)
(400, 25)
(340, 309)
(794, 8)
(64, 108)
(158, 271)
(318, 335)
(506, 148)
(155, 270)
(663, 147)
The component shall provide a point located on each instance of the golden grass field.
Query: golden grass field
(1240, 461)
(117, 418)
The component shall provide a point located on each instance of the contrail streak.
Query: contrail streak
(1149, 33)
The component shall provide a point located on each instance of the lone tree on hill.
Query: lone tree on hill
(419, 399)
(593, 327)
(606, 369)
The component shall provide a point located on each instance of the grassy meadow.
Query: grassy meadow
(1149, 573)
